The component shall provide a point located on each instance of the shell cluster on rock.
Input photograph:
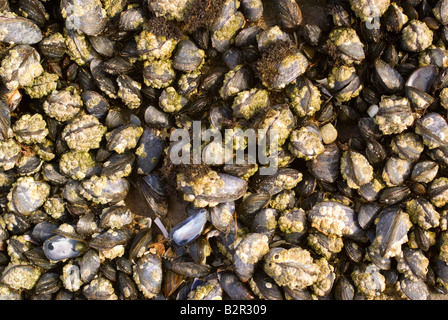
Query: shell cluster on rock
(94, 205)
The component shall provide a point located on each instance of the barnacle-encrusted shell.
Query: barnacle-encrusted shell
(305, 98)
(341, 107)
(148, 275)
(71, 278)
(100, 289)
(84, 133)
(20, 67)
(30, 129)
(292, 221)
(334, 218)
(77, 164)
(158, 73)
(171, 101)
(27, 195)
(128, 93)
(355, 169)
(306, 143)
(438, 191)
(325, 245)
(63, 105)
(101, 189)
(326, 277)
(365, 10)
(247, 103)
(340, 76)
(21, 277)
(394, 114)
(155, 47)
(170, 9)
(291, 267)
(348, 43)
(42, 85)
(123, 138)
(433, 129)
(250, 250)
(9, 153)
(370, 281)
(54, 207)
(87, 16)
(422, 212)
(416, 36)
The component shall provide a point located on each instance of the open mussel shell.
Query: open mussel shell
(59, 248)
(418, 86)
(422, 78)
(189, 229)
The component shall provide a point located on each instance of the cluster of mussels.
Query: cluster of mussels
(93, 207)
